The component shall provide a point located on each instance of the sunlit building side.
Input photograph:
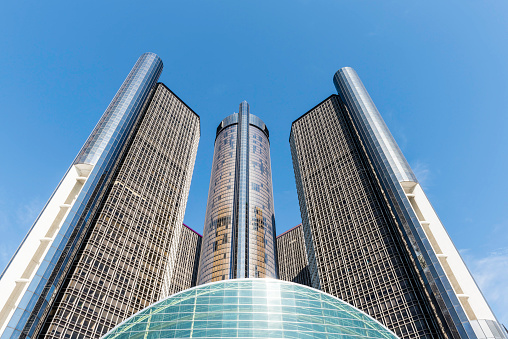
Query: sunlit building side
(372, 237)
(239, 229)
(106, 243)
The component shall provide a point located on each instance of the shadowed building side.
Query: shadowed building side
(129, 256)
(354, 247)
(186, 263)
(32, 278)
(455, 295)
(292, 255)
(372, 237)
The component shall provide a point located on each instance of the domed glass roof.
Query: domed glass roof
(250, 308)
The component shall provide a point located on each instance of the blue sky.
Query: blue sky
(437, 71)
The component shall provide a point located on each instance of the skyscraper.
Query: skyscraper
(239, 231)
(105, 244)
(111, 240)
(371, 235)
(292, 255)
(233, 298)
(185, 272)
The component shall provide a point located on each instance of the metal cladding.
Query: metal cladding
(372, 237)
(123, 109)
(370, 124)
(354, 249)
(131, 256)
(109, 235)
(100, 153)
(239, 231)
(393, 171)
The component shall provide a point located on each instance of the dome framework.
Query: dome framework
(250, 308)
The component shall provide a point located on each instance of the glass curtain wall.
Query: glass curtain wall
(251, 308)
(239, 230)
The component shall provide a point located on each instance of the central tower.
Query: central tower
(239, 230)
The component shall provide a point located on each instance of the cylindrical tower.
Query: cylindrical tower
(239, 230)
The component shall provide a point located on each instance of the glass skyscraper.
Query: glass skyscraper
(239, 230)
(106, 243)
(372, 237)
(111, 241)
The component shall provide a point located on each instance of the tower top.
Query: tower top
(233, 120)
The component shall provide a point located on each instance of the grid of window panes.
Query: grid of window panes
(389, 162)
(261, 215)
(43, 288)
(254, 243)
(293, 263)
(216, 243)
(250, 308)
(187, 261)
(359, 254)
(132, 247)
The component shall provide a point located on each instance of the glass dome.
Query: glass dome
(250, 308)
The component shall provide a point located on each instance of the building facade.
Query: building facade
(292, 255)
(109, 235)
(185, 273)
(251, 308)
(31, 276)
(239, 229)
(372, 237)
(111, 239)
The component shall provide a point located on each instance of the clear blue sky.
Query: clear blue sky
(437, 71)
